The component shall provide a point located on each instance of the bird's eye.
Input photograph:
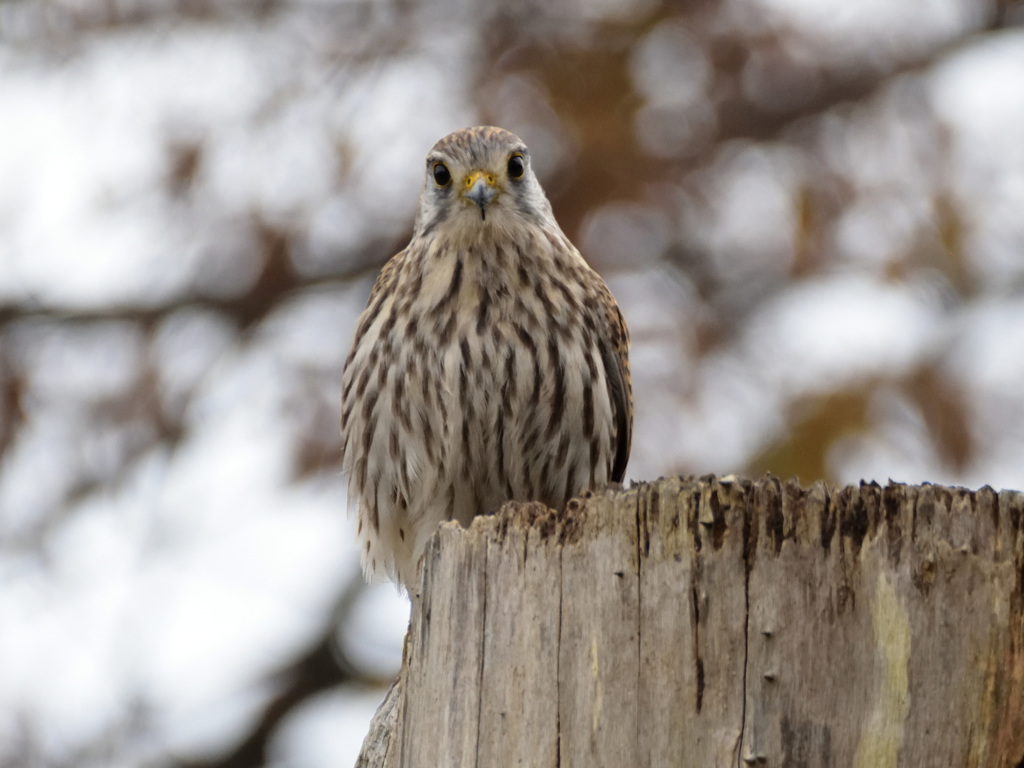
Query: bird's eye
(442, 176)
(516, 166)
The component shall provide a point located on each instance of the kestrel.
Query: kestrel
(490, 364)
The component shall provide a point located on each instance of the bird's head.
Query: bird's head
(479, 179)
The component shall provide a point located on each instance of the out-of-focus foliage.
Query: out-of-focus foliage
(809, 210)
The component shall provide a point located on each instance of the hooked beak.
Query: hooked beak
(481, 189)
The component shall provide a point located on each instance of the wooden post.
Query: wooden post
(719, 622)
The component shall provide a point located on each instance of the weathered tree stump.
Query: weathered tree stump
(719, 622)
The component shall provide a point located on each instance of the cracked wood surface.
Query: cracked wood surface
(719, 622)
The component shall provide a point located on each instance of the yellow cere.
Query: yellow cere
(472, 177)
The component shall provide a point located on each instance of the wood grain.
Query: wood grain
(719, 622)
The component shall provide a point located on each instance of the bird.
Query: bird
(490, 364)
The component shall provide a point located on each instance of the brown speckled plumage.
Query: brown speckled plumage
(490, 363)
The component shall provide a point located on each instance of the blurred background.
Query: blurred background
(810, 211)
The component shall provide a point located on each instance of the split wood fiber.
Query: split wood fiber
(719, 622)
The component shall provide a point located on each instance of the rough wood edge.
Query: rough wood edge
(846, 517)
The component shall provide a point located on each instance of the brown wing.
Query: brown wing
(387, 274)
(373, 307)
(615, 357)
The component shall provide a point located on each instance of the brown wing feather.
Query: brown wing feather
(615, 357)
